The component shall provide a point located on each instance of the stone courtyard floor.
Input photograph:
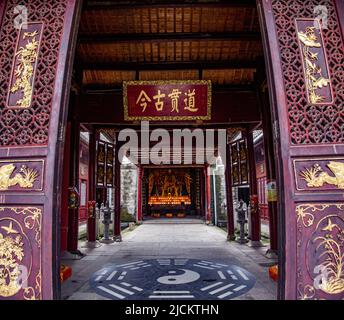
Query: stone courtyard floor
(171, 260)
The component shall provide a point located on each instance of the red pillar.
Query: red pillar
(117, 219)
(255, 214)
(64, 192)
(91, 219)
(263, 98)
(208, 195)
(229, 195)
(139, 194)
(202, 192)
(73, 208)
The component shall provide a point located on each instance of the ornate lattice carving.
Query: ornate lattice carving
(30, 126)
(310, 124)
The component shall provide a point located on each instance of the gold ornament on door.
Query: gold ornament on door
(11, 254)
(25, 179)
(317, 177)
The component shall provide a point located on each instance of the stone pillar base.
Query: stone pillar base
(107, 241)
(256, 244)
(92, 244)
(231, 237)
(74, 255)
(117, 238)
(271, 254)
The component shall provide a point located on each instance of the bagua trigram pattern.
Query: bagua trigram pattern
(172, 279)
(222, 289)
(120, 289)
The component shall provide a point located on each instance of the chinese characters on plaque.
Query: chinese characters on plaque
(167, 100)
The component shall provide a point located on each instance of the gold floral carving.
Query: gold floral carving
(317, 177)
(305, 213)
(27, 56)
(313, 73)
(329, 244)
(306, 293)
(32, 220)
(12, 252)
(25, 179)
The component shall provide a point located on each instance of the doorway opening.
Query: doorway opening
(161, 43)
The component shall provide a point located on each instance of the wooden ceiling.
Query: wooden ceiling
(138, 40)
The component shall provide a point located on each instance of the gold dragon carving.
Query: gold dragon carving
(317, 177)
(25, 69)
(25, 179)
(313, 73)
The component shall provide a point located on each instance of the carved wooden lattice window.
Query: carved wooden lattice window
(30, 126)
(310, 124)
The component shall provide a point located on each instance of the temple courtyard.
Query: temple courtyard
(171, 259)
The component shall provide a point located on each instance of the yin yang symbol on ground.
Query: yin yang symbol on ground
(172, 279)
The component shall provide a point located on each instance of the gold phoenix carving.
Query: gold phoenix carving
(25, 179)
(12, 253)
(330, 242)
(316, 177)
(313, 73)
(27, 57)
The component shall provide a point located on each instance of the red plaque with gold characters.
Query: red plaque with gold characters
(167, 100)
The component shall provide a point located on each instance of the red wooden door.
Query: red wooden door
(34, 86)
(306, 79)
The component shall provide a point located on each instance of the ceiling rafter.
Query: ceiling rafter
(180, 65)
(217, 88)
(170, 37)
(102, 4)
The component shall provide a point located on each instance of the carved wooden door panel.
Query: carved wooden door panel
(306, 82)
(34, 66)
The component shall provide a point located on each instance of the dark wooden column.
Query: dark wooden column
(202, 187)
(117, 218)
(63, 222)
(91, 220)
(270, 164)
(229, 195)
(255, 214)
(73, 208)
(207, 195)
(140, 172)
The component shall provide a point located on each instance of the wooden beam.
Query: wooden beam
(216, 88)
(170, 65)
(105, 5)
(168, 37)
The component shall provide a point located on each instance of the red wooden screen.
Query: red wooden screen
(32, 91)
(309, 142)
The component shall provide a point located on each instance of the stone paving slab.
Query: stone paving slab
(170, 241)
